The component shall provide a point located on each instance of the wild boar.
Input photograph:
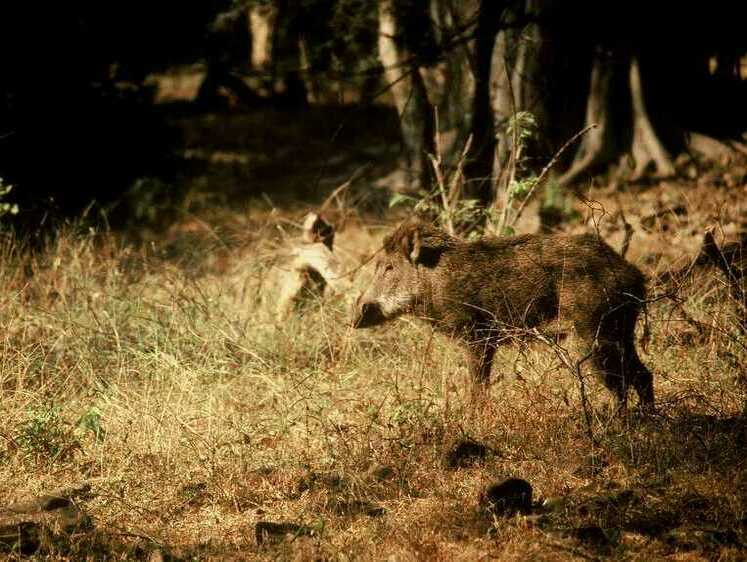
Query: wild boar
(485, 291)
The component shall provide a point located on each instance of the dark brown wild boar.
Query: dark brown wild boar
(482, 292)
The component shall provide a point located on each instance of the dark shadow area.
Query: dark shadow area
(286, 154)
(77, 121)
(683, 441)
(665, 503)
(292, 98)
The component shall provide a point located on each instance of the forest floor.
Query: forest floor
(158, 373)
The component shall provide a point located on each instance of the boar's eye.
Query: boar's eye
(388, 267)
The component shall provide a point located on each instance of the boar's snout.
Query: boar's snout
(367, 314)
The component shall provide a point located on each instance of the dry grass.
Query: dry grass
(165, 381)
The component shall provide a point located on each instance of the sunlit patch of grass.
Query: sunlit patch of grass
(195, 413)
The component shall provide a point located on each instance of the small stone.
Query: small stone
(507, 498)
(596, 536)
(466, 453)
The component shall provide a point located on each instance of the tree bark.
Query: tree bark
(262, 21)
(410, 97)
(479, 172)
(613, 81)
(276, 56)
(262, 24)
(647, 149)
(520, 67)
(225, 52)
(597, 145)
(450, 84)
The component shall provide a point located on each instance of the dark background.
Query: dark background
(82, 131)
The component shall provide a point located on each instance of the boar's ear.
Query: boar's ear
(425, 248)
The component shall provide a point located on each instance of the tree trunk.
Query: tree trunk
(647, 149)
(612, 82)
(520, 70)
(597, 146)
(410, 97)
(479, 171)
(262, 24)
(450, 83)
(288, 84)
(276, 52)
(226, 51)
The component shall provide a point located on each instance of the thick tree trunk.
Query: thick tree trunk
(262, 24)
(450, 84)
(225, 52)
(597, 145)
(503, 99)
(479, 171)
(612, 83)
(288, 83)
(410, 97)
(520, 71)
(262, 21)
(276, 52)
(647, 149)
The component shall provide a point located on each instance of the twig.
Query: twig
(548, 167)
(345, 185)
(628, 229)
(455, 186)
(575, 368)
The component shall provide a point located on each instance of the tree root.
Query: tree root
(601, 145)
(647, 148)
(595, 150)
(714, 149)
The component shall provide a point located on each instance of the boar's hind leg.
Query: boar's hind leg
(619, 366)
(614, 357)
(481, 353)
(608, 362)
(639, 375)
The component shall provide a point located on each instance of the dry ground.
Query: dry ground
(159, 374)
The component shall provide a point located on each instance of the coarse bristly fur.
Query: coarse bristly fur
(484, 291)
